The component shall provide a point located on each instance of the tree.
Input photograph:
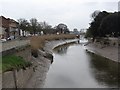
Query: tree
(95, 24)
(109, 25)
(94, 14)
(62, 28)
(23, 25)
(34, 24)
(39, 28)
(47, 29)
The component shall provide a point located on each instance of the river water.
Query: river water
(73, 67)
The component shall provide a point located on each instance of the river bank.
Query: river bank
(73, 67)
(109, 52)
(43, 64)
(36, 74)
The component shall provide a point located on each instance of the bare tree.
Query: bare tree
(46, 27)
(23, 25)
(34, 24)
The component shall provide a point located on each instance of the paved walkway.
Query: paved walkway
(12, 44)
(108, 52)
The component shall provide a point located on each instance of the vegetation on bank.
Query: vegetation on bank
(104, 24)
(38, 42)
(11, 62)
(0, 64)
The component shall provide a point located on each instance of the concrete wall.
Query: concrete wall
(8, 80)
(33, 76)
(13, 79)
(18, 78)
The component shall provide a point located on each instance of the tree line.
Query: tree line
(34, 27)
(104, 24)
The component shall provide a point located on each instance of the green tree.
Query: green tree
(95, 24)
(109, 25)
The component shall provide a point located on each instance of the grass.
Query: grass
(11, 62)
(39, 41)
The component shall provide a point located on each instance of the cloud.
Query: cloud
(74, 13)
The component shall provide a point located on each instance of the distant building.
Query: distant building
(8, 28)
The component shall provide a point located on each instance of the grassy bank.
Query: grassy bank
(12, 62)
(39, 41)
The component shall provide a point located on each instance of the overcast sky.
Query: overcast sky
(73, 13)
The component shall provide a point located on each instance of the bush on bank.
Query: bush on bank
(38, 42)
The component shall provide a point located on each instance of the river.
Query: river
(73, 67)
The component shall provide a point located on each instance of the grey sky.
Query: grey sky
(74, 13)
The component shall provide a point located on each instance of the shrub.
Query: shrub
(34, 53)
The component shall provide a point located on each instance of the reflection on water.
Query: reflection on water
(73, 67)
(105, 71)
(61, 50)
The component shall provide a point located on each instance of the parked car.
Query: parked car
(11, 38)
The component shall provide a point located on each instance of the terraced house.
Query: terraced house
(8, 28)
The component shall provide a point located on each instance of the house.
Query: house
(8, 28)
(4, 26)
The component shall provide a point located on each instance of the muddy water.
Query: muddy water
(73, 67)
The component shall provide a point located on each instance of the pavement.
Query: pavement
(12, 44)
